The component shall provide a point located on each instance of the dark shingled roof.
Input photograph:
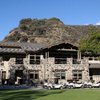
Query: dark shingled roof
(32, 46)
(15, 47)
(11, 50)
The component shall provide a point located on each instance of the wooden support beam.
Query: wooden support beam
(78, 55)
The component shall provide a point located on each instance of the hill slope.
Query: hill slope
(50, 31)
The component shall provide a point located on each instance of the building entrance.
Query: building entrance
(94, 74)
(19, 76)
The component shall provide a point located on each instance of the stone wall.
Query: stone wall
(86, 70)
(47, 67)
(50, 66)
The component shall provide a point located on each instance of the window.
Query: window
(34, 75)
(95, 58)
(32, 60)
(31, 76)
(77, 74)
(35, 59)
(76, 62)
(60, 74)
(91, 58)
(19, 60)
(3, 74)
(57, 75)
(60, 61)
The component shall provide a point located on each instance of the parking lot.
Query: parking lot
(71, 85)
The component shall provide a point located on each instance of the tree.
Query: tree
(91, 42)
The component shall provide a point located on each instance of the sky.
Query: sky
(71, 12)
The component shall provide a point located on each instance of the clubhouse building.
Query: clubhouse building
(22, 62)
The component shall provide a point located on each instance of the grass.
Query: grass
(76, 94)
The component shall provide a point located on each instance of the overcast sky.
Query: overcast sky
(73, 12)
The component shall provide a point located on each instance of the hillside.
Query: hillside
(49, 31)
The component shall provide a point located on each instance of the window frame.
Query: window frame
(60, 74)
(18, 61)
(34, 60)
(35, 75)
(77, 74)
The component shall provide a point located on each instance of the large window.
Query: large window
(60, 74)
(60, 61)
(34, 59)
(77, 74)
(19, 60)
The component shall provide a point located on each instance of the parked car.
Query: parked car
(69, 85)
(53, 86)
(73, 85)
(45, 85)
(78, 85)
(96, 85)
(87, 84)
(58, 86)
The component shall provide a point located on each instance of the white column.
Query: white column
(78, 55)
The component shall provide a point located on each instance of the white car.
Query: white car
(88, 84)
(73, 85)
(69, 85)
(58, 86)
(96, 85)
(53, 86)
(45, 85)
(78, 85)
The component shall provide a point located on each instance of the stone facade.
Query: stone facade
(46, 69)
(59, 63)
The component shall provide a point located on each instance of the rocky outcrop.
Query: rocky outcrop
(50, 31)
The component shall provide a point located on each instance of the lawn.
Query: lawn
(76, 94)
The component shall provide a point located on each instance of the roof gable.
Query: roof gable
(63, 46)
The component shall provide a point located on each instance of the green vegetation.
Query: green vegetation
(76, 94)
(54, 19)
(31, 26)
(53, 30)
(91, 42)
(16, 36)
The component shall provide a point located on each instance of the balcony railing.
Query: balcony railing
(60, 61)
(75, 61)
(78, 66)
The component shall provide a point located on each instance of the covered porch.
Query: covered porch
(94, 72)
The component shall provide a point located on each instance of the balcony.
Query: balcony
(94, 61)
(59, 67)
